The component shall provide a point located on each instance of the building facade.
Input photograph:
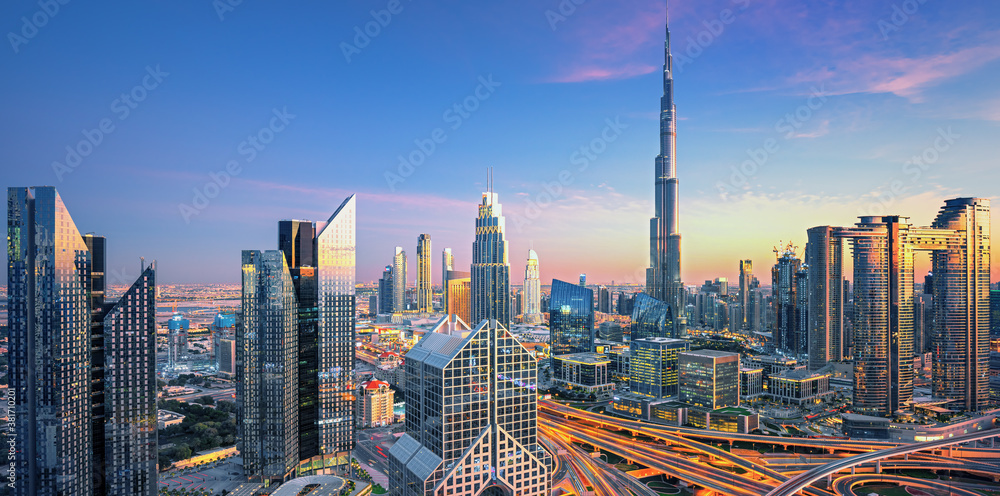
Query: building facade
(571, 319)
(375, 400)
(490, 297)
(825, 330)
(399, 280)
(653, 366)
(425, 291)
(532, 288)
(708, 379)
(583, 372)
(447, 264)
(651, 318)
(477, 428)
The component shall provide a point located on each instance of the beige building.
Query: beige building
(459, 294)
(374, 404)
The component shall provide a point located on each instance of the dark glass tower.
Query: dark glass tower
(651, 318)
(663, 278)
(490, 267)
(571, 318)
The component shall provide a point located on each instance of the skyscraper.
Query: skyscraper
(785, 301)
(386, 288)
(268, 369)
(490, 267)
(82, 372)
(825, 258)
(477, 431)
(399, 280)
(651, 318)
(571, 319)
(447, 264)
(663, 278)
(653, 366)
(425, 292)
(336, 253)
(746, 279)
(962, 301)
(583, 280)
(460, 294)
(603, 299)
(709, 379)
(532, 289)
(130, 437)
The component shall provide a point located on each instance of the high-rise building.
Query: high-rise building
(82, 371)
(709, 379)
(651, 318)
(490, 267)
(532, 288)
(825, 258)
(962, 300)
(746, 279)
(425, 291)
(785, 301)
(336, 252)
(130, 437)
(386, 291)
(603, 299)
(802, 311)
(268, 369)
(460, 294)
(399, 280)
(663, 277)
(995, 313)
(571, 319)
(447, 264)
(477, 431)
(653, 366)
(375, 400)
(583, 280)
(625, 303)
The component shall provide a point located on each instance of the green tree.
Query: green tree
(206, 400)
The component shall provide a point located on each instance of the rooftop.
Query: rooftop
(712, 354)
(585, 358)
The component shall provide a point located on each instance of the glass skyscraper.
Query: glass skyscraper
(532, 287)
(447, 264)
(651, 318)
(826, 283)
(784, 293)
(82, 373)
(425, 292)
(473, 429)
(268, 369)
(571, 319)
(490, 267)
(653, 366)
(399, 280)
(386, 288)
(709, 379)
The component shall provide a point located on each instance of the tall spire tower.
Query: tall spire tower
(663, 278)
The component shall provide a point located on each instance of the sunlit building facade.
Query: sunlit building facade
(571, 318)
(490, 266)
(477, 434)
(785, 303)
(375, 399)
(399, 280)
(425, 292)
(532, 297)
(826, 283)
(460, 294)
(447, 264)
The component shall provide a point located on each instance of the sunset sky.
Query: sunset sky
(833, 98)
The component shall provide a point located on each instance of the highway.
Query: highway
(844, 486)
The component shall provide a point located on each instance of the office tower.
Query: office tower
(802, 311)
(625, 303)
(825, 258)
(375, 399)
(758, 308)
(962, 299)
(297, 242)
(447, 264)
(603, 299)
(663, 277)
(460, 294)
(223, 327)
(929, 283)
(335, 250)
(386, 291)
(571, 319)
(784, 300)
(517, 302)
(399, 280)
(651, 318)
(268, 369)
(227, 356)
(532, 288)
(425, 292)
(746, 277)
(653, 366)
(995, 313)
(709, 379)
(69, 352)
(583, 280)
(476, 433)
(611, 331)
(130, 437)
(922, 305)
(490, 267)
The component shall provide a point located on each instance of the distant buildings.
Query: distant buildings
(708, 379)
(532, 289)
(82, 369)
(399, 280)
(490, 267)
(374, 404)
(177, 340)
(995, 313)
(386, 291)
(746, 286)
(492, 446)
(571, 319)
(603, 299)
(447, 264)
(425, 292)
(653, 366)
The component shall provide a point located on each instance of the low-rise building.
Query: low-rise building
(587, 372)
(709, 379)
(374, 404)
(166, 418)
(799, 387)
(751, 383)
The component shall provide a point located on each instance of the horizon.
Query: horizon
(891, 118)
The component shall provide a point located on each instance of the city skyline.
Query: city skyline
(910, 83)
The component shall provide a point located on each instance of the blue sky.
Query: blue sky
(833, 98)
